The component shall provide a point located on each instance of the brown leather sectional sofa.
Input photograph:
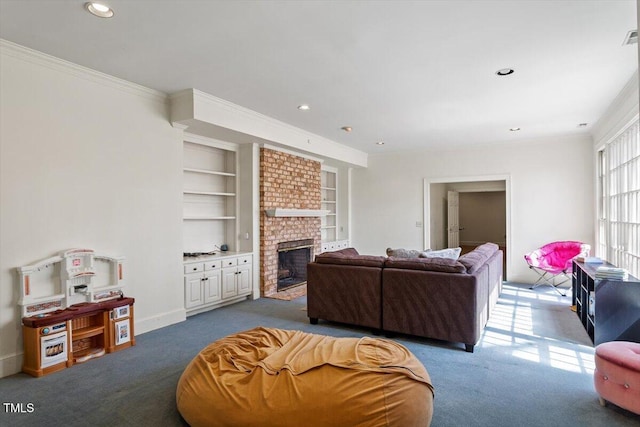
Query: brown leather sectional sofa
(438, 298)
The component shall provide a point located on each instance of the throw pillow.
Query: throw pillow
(452, 253)
(403, 253)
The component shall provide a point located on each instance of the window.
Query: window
(619, 201)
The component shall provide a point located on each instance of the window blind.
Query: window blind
(619, 201)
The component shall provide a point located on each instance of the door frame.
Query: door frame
(426, 209)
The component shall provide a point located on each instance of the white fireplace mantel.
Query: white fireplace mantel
(287, 212)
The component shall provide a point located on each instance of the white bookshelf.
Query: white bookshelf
(209, 194)
(329, 202)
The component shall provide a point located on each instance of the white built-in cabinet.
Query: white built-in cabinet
(218, 280)
(334, 246)
(202, 281)
(329, 201)
(210, 220)
(236, 276)
(209, 195)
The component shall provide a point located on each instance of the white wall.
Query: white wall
(551, 194)
(86, 161)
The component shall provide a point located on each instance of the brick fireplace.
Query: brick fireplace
(286, 182)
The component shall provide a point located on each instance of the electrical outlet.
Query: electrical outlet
(418, 223)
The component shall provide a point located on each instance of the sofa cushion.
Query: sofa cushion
(444, 265)
(404, 253)
(339, 258)
(478, 257)
(452, 253)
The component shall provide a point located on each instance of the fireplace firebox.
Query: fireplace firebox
(293, 258)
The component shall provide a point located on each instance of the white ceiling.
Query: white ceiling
(416, 74)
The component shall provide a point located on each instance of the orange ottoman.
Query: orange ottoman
(617, 374)
(273, 377)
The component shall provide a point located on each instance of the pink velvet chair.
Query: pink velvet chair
(617, 374)
(552, 262)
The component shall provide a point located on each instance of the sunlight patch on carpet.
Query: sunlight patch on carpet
(511, 328)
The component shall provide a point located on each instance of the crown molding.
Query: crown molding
(621, 113)
(42, 59)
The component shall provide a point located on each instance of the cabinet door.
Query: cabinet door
(244, 279)
(193, 290)
(212, 286)
(229, 282)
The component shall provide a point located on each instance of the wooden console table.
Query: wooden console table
(609, 309)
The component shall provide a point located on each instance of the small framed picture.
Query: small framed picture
(120, 312)
(122, 332)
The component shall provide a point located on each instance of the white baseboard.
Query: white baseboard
(159, 321)
(10, 364)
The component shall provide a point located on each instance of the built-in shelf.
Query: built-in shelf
(204, 217)
(329, 201)
(210, 172)
(209, 193)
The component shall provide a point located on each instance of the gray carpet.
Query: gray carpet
(532, 367)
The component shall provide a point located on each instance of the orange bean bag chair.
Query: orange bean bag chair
(273, 377)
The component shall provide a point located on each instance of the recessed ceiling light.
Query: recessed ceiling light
(304, 107)
(380, 143)
(514, 129)
(505, 71)
(99, 9)
(346, 128)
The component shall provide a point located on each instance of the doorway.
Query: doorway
(482, 206)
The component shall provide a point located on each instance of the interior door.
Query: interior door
(453, 219)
